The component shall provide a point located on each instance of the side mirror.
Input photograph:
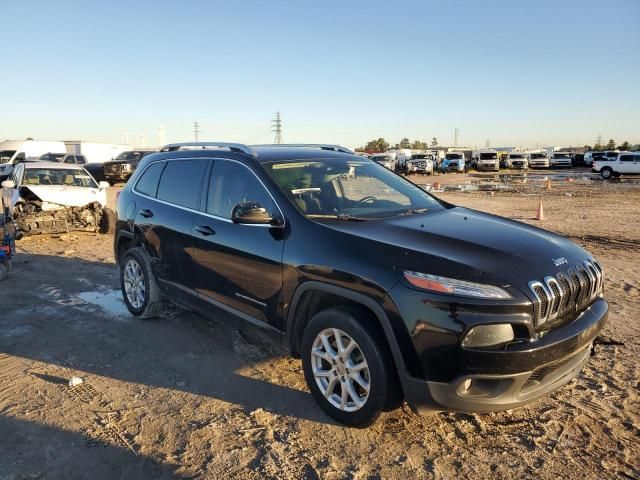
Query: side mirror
(103, 185)
(251, 213)
(8, 184)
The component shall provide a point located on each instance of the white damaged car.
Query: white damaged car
(47, 197)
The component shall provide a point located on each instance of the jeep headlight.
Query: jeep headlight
(452, 286)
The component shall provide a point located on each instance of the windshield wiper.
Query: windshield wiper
(351, 218)
(412, 211)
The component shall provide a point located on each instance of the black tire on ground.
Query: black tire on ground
(108, 221)
(606, 172)
(385, 392)
(152, 303)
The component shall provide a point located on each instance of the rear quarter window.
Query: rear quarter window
(148, 183)
(181, 182)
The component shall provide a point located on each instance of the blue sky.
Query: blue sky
(513, 72)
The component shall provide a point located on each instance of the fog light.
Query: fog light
(488, 335)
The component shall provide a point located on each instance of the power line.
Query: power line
(196, 130)
(276, 127)
(599, 140)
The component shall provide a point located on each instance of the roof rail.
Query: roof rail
(234, 147)
(321, 146)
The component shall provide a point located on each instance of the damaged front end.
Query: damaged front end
(34, 216)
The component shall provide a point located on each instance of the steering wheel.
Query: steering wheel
(368, 198)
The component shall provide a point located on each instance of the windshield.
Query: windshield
(381, 159)
(58, 176)
(538, 155)
(5, 155)
(516, 155)
(348, 189)
(453, 156)
(488, 156)
(561, 155)
(52, 157)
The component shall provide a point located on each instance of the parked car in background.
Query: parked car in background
(387, 160)
(486, 160)
(517, 160)
(627, 163)
(63, 158)
(53, 197)
(559, 160)
(590, 157)
(402, 156)
(602, 158)
(420, 163)
(577, 159)
(13, 152)
(453, 164)
(122, 167)
(538, 159)
(409, 298)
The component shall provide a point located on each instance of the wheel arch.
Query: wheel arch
(311, 297)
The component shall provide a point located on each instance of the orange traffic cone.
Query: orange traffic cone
(540, 215)
(436, 186)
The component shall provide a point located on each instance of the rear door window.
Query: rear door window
(148, 183)
(181, 182)
(626, 158)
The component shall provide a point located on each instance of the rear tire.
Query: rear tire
(139, 286)
(108, 221)
(346, 390)
(606, 172)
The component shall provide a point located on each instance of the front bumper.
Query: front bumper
(500, 380)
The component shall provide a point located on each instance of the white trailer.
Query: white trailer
(17, 151)
(96, 152)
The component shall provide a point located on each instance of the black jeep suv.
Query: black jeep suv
(386, 292)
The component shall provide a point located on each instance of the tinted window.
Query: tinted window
(69, 159)
(81, 160)
(148, 183)
(626, 158)
(181, 181)
(232, 183)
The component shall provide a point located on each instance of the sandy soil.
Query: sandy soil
(183, 397)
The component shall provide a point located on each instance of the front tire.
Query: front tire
(348, 368)
(139, 286)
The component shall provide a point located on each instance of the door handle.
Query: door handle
(205, 230)
(146, 213)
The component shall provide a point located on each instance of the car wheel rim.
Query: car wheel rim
(134, 286)
(340, 370)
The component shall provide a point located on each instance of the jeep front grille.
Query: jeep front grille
(566, 293)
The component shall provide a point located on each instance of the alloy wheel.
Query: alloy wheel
(340, 370)
(134, 285)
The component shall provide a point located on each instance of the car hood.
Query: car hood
(66, 195)
(465, 243)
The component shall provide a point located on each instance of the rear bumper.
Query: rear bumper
(495, 381)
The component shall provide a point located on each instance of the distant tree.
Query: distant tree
(419, 145)
(625, 146)
(434, 142)
(29, 138)
(587, 148)
(405, 143)
(611, 145)
(380, 145)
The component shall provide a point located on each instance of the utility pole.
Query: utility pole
(276, 128)
(488, 144)
(599, 141)
(196, 130)
(456, 134)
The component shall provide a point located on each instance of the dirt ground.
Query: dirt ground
(183, 397)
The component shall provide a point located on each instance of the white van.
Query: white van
(538, 159)
(96, 152)
(386, 159)
(486, 160)
(18, 151)
(403, 155)
(517, 160)
(559, 159)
